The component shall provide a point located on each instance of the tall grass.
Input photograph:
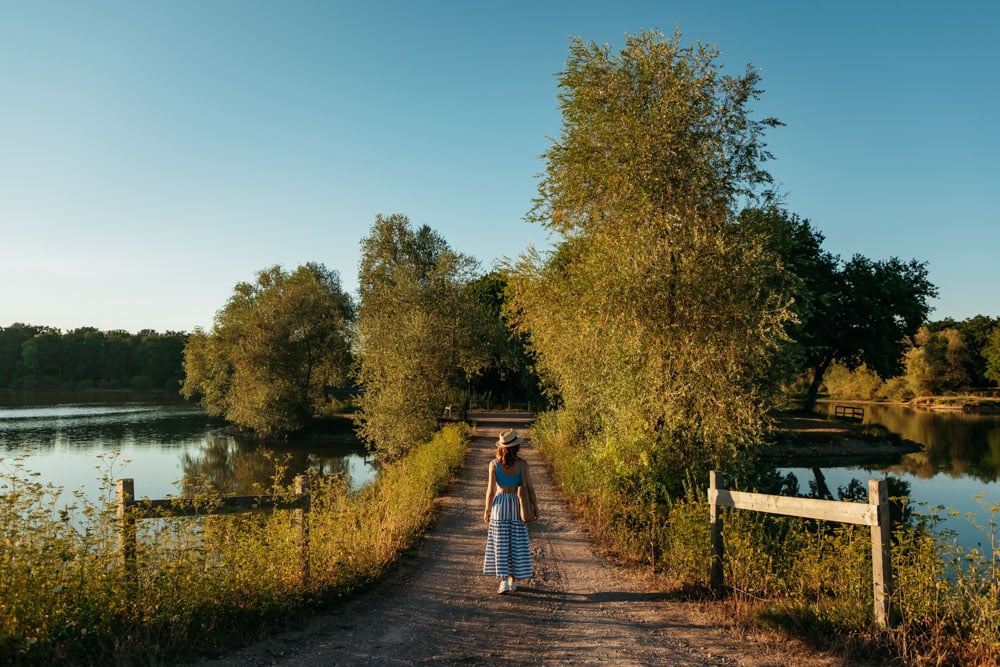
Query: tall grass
(201, 584)
(801, 577)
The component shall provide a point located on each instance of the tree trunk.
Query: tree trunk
(818, 371)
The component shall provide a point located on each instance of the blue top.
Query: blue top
(505, 480)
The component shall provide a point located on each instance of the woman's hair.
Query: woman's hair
(507, 455)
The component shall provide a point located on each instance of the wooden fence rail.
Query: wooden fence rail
(874, 514)
(131, 511)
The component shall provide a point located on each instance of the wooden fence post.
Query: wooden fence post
(301, 519)
(127, 539)
(878, 494)
(715, 481)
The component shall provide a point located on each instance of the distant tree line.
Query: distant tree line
(944, 357)
(41, 357)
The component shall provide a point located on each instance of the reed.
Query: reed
(202, 584)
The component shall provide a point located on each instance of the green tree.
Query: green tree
(273, 351)
(876, 309)
(991, 353)
(975, 332)
(860, 383)
(653, 319)
(48, 372)
(82, 367)
(28, 367)
(811, 278)
(11, 340)
(863, 312)
(510, 377)
(86, 357)
(160, 358)
(419, 332)
(946, 358)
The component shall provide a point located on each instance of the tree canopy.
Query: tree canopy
(40, 357)
(874, 310)
(273, 351)
(653, 313)
(419, 332)
(974, 333)
(510, 376)
(859, 312)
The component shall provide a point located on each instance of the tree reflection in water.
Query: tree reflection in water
(234, 466)
(956, 444)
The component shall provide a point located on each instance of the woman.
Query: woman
(508, 552)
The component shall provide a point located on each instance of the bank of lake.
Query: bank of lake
(947, 462)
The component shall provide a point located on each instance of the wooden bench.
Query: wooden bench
(852, 413)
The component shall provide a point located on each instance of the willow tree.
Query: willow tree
(416, 332)
(653, 319)
(275, 348)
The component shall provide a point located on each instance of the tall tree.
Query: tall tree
(653, 318)
(273, 351)
(877, 308)
(417, 335)
(861, 312)
(12, 339)
(811, 277)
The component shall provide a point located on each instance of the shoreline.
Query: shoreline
(970, 403)
(801, 440)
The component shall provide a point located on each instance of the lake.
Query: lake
(960, 460)
(162, 447)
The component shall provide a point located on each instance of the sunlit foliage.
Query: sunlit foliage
(991, 353)
(654, 320)
(273, 351)
(417, 332)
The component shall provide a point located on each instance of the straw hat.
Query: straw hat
(508, 438)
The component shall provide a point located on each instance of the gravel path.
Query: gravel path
(436, 607)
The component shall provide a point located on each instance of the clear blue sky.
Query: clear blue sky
(154, 154)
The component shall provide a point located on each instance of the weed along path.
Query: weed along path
(436, 607)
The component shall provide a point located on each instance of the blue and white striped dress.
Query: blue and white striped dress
(508, 551)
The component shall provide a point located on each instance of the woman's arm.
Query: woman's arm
(491, 489)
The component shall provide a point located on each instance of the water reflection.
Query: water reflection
(234, 466)
(44, 428)
(166, 449)
(960, 463)
(956, 444)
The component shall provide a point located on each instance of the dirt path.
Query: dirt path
(436, 608)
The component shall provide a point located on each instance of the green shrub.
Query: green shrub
(803, 577)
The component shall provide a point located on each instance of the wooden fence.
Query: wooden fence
(131, 510)
(875, 514)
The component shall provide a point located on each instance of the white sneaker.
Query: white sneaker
(504, 587)
(513, 586)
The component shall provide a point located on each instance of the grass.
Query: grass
(801, 578)
(203, 584)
